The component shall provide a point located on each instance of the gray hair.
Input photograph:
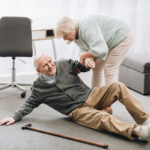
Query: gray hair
(37, 57)
(65, 25)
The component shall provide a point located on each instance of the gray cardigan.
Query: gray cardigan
(68, 92)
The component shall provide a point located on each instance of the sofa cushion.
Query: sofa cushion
(138, 61)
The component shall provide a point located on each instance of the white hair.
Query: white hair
(37, 57)
(65, 25)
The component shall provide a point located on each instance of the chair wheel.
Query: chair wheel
(23, 95)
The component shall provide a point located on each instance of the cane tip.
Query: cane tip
(26, 126)
(105, 146)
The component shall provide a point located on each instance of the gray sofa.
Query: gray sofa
(134, 72)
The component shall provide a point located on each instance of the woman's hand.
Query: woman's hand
(89, 63)
(82, 59)
(84, 56)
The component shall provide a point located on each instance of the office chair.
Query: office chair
(15, 41)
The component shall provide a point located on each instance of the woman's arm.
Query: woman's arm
(84, 56)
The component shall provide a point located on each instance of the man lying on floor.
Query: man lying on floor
(60, 87)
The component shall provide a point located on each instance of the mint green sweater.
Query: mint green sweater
(99, 34)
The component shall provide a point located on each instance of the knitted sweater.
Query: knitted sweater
(99, 34)
(66, 94)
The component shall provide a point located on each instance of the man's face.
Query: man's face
(46, 66)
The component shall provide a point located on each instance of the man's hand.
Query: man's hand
(89, 63)
(7, 121)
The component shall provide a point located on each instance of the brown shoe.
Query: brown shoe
(107, 109)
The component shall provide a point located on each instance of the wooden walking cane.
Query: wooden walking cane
(28, 126)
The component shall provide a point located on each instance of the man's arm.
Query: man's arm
(77, 67)
(26, 108)
(8, 121)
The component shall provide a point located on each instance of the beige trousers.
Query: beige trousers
(89, 113)
(112, 63)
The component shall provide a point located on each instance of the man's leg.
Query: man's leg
(105, 96)
(96, 119)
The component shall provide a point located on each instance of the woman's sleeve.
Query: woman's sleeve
(93, 37)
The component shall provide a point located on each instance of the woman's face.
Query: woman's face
(69, 37)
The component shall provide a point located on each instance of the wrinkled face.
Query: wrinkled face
(70, 36)
(46, 66)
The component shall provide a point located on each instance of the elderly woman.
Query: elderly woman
(103, 43)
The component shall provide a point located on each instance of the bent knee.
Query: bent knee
(117, 86)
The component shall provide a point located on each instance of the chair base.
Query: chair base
(15, 85)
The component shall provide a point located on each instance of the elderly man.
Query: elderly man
(59, 87)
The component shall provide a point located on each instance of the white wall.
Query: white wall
(45, 14)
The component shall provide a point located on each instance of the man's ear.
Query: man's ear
(37, 70)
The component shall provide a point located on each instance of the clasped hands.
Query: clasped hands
(86, 59)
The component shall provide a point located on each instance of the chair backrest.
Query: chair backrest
(15, 37)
